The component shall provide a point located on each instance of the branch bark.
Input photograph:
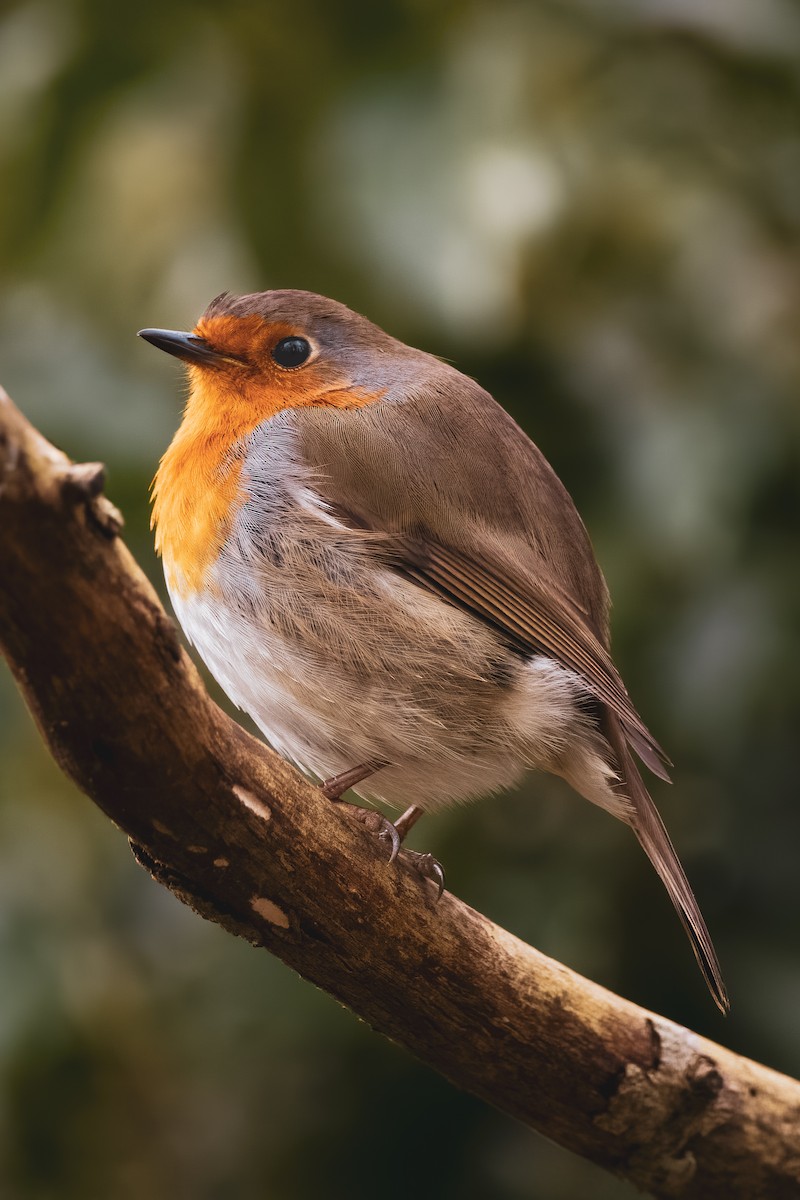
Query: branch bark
(247, 842)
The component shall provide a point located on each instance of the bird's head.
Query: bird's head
(259, 354)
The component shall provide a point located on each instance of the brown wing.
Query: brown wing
(471, 510)
(535, 618)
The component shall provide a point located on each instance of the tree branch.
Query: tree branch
(241, 837)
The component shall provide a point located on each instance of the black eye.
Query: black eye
(291, 352)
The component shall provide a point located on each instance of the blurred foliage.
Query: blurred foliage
(593, 207)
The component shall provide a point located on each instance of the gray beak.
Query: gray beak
(186, 346)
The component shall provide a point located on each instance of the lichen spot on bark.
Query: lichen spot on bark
(269, 910)
(251, 801)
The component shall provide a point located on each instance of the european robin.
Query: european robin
(380, 567)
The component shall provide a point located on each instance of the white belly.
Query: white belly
(450, 729)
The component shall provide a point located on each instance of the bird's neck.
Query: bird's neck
(197, 490)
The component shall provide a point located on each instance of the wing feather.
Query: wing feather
(535, 619)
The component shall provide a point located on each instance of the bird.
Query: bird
(379, 566)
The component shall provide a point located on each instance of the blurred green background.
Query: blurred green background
(595, 209)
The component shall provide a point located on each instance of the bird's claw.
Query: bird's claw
(377, 824)
(428, 867)
(388, 833)
(425, 865)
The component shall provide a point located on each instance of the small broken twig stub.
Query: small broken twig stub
(241, 837)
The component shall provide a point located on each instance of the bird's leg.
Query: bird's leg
(424, 864)
(335, 787)
(409, 818)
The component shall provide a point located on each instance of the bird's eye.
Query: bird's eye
(291, 352)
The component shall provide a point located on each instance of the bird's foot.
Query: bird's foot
(335, 787)
(424, 865)
(427, 867)
(376, 823)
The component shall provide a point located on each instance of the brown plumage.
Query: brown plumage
(382, 569)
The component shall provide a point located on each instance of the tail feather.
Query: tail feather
(655, 841)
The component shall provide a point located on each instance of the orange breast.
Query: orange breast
(198, 488)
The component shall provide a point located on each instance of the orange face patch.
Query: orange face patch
(198, 489)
